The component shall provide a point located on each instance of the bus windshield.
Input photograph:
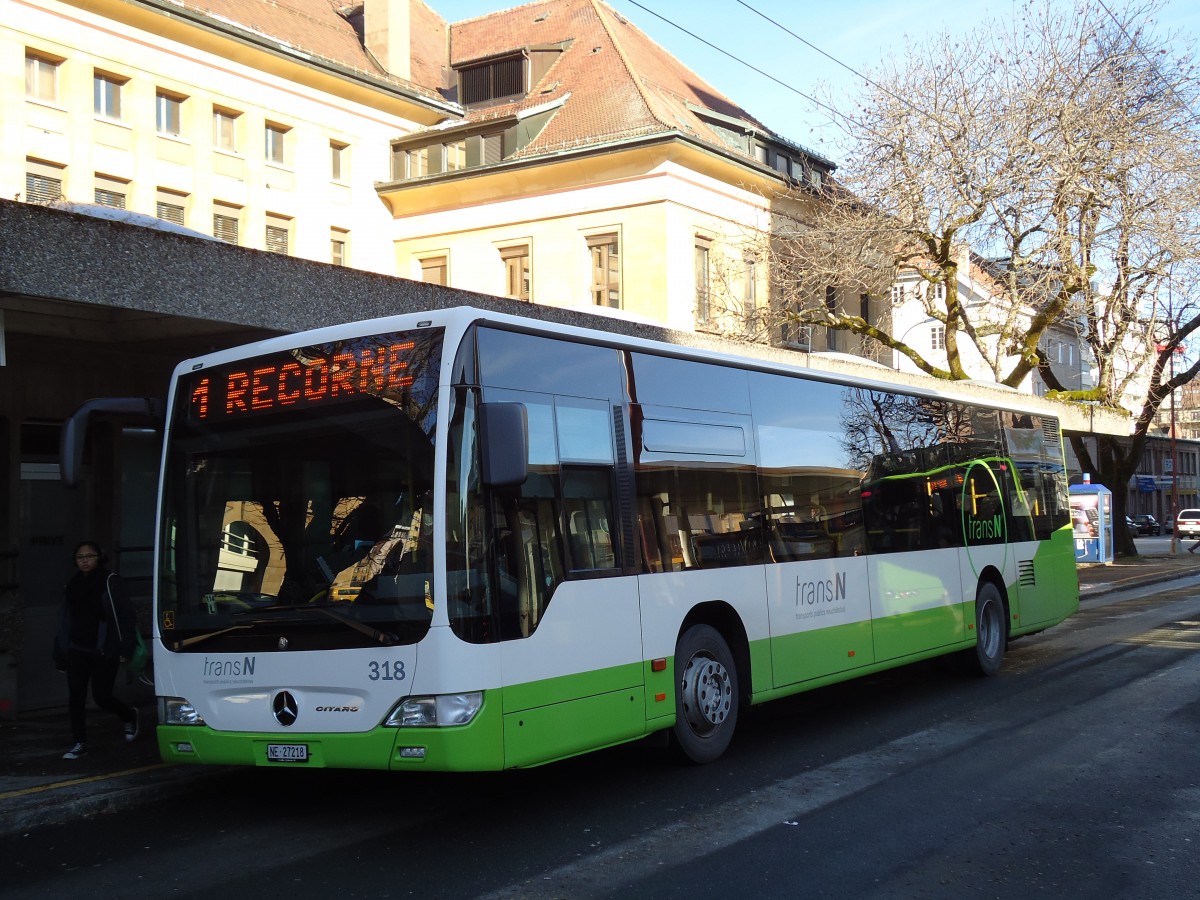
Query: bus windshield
(298, 503)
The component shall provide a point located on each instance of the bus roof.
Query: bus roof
(584, 326)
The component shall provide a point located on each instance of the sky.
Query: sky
(859, 34)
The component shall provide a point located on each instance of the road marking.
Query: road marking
(719, 826)
(56, 785)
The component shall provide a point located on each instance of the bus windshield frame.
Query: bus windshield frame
(298, 498)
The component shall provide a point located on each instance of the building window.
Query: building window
(491, 148)
(43, 182)
(937, 337)
(275, 143)
(1059, 351)
(435, 270)
(493, 80)
(456, 156)
(897, 294)
(278, 232)
(111, 192)
(225, 129)
(749, 289)
(703, 253)
(606, 270)
(106, 95)
(792, 334)
(41, 77)
(937, 292)
(226, 222)
(170, 206)
(339, 247)
(517, 272)
(169, 113)
(864, 307)
(339, 160)
(418, 162)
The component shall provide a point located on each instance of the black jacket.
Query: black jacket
(97, 616)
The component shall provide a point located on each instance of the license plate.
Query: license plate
(287, 752)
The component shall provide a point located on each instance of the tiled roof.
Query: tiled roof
(620, 83)
(317, 28)
(429, 38)
(617, 82)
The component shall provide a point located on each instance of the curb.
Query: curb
(61, 802)
(1133, 580)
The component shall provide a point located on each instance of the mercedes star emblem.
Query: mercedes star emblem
(285, 708)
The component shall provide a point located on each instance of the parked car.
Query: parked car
(1131, 527)
(1187, 523)
(1147, 524)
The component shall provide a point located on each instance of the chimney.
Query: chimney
(386, 33)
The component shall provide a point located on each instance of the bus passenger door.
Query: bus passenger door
(818, 590)
(916, 531)
(571, 629)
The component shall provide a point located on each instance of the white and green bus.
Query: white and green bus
(462, 540)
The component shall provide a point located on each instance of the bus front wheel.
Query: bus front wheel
(991, 635)
(706, 695)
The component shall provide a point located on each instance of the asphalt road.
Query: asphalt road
(1072, 773)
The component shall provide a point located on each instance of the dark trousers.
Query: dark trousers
(83, 668)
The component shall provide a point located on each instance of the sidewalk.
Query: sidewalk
(1096, 580)
(38, 787)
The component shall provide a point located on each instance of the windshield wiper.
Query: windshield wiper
(197, 638)
(383, 637)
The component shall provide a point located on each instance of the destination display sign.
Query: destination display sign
(383, 366)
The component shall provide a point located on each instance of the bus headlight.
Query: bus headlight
(440, 710)
(177, 711)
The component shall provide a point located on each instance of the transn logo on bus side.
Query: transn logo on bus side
(822, 590)
(985, 529)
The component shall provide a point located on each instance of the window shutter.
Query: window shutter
(43, 183)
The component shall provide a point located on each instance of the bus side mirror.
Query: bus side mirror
(504, 442)
(75, 429)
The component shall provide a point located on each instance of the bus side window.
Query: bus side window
(652, 531)
(588, 514)
(698, 511)
(528, 553)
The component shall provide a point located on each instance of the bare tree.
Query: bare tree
(1063, 149)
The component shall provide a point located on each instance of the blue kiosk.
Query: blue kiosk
(1091, 518)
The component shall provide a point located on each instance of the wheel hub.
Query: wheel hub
(707, 693)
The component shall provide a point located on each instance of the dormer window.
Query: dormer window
(509, 75)
(496, 79)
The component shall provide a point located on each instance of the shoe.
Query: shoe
(79, 750)
(131, 728)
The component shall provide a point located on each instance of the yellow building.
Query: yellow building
(550, 153)
(205, 121)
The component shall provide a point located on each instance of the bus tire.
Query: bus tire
(706, 695)
(991, 633)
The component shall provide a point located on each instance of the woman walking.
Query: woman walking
(96, 632)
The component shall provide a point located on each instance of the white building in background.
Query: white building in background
(915, 305)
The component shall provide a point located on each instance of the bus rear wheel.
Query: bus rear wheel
(706, 695)
(991, 633)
